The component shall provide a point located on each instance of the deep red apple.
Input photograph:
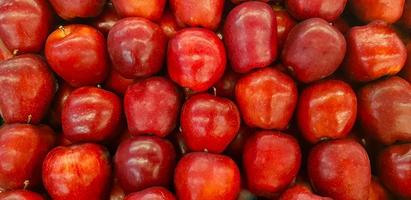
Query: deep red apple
(250, 35)
(370, 10)
(373, 51)
(406, 71)
(27, 87)
(77, 172)
(77, 53)
(77, 8)
(340, 169)
(266, 98)
(307, 42)
(284, 24)
(300, 192)
(169, 24)
(91, 114)
(152, 106)
(271, 161)
(20, 195)
(106, 20)
(326, 110)
(384, 110)
(225, 87)
(206, 176)
(377, 191)
(24, 25)
(196, 58)
(60, 98)
(329, 10)
(117, 83)
(209, 123)
(152, 9)
(144, 161)
(394, 164)
(136, 47)
(153, 193)
(22, 150)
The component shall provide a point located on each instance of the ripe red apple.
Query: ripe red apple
(340, 169)
(206, 176)
(373, 51)
(106, 20)
(196, 58)
(152, 106)
(240, 1)
(60, 98)
(91, 114)
(209, 123)
(22, 150)
(329, 10)
(169, 24)
(389, 11)
(77, 8)
(152, 9)
(117, 83)
(153, 193)
(225, 87)
(266, 98)
(143, 162)
(271, 161)
(136, 47)
(300, 192)
(27, 87)
(284, 24)
(20, 195)
(87, 66)
(77, 172)
(384, 110)
(24, 25)
(307, 42)
(250, 35)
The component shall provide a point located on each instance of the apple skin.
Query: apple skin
(394, 166)
(24, 25)
(136, 47)
(153, 193)
(117, 83)
(144, 161)
(225, 87)
(4, 52)
(300, 192)
(196, 58)
(309, 40)
(206, 176)
(20, 195)
(326, 110)
(116, 192)
(343, 177)
(77, 8)
(328, 10)
(77, 172)
(57, 106)
(106, 20)
(377, 191)
(373, 51)
(151, 10)
(250, 36)
(266, 98)
(216, 132)
(271, 161)
(27, 87)
(384, 110)
(370, 10)
(91, 114)
(22, 150)
(169, 24)
(78, 68)
(406, 71)
(285, 22)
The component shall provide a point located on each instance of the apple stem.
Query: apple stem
(62, 29)
(98, 85)
(214, 91)
(26, 184)
(15, 52)
(29, 119)
(206, 150)
(180, 129)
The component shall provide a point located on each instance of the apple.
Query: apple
(106, 20)
(300, 192)
(78, 8)
(389, 11)
(153, 193)
(57, 105)
(152, 9)
(117, 83)
(20, 195)
(285, 22)
(329, 10)
(169, 24)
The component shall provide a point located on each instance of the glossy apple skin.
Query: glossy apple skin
(206, 176)
(196, 58)
(20, 195)
(406, 71)
(106, 20)
(136, 47)
(284, 24)
(250, 36)
(151, 10)
(329, 10)
(389, 11)
(225, 87)
(117, 83)
(78, 68)
(271, 161)
(27, 87)
(153, 193)
(91, 114)
(78, 8)
(57, 106)
(394, 164)
(373, 51)
(309, 40)
(377, 191)
(24, 25)
(326, 110)
(169, 24)
(384, 110)
(152, 106)
(22, 150)
(144, 161)
(342, 177)
(4, 52)
(77, 172)
(266, 98)
(300, 192)
(209, 122)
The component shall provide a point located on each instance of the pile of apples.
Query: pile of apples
(205, 99)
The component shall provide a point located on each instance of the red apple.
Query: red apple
(370, 10)
(340, 169)
(300, 192)
(117, 83)
(266, 98)
(196, 58)
(27, 87)
(240, 1)
(106, 20)
(78, 68)
(20, 195)
(22, 150)
(284, 24)
(236, 147)
(77, 172)
(60, 98)
(329, 10)
(250, 35)
(169, 24)
(225, 87)
(153, 193)
(206, 176)
(377, 191)
(152, 9)
(136, 47)
(77, 8)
